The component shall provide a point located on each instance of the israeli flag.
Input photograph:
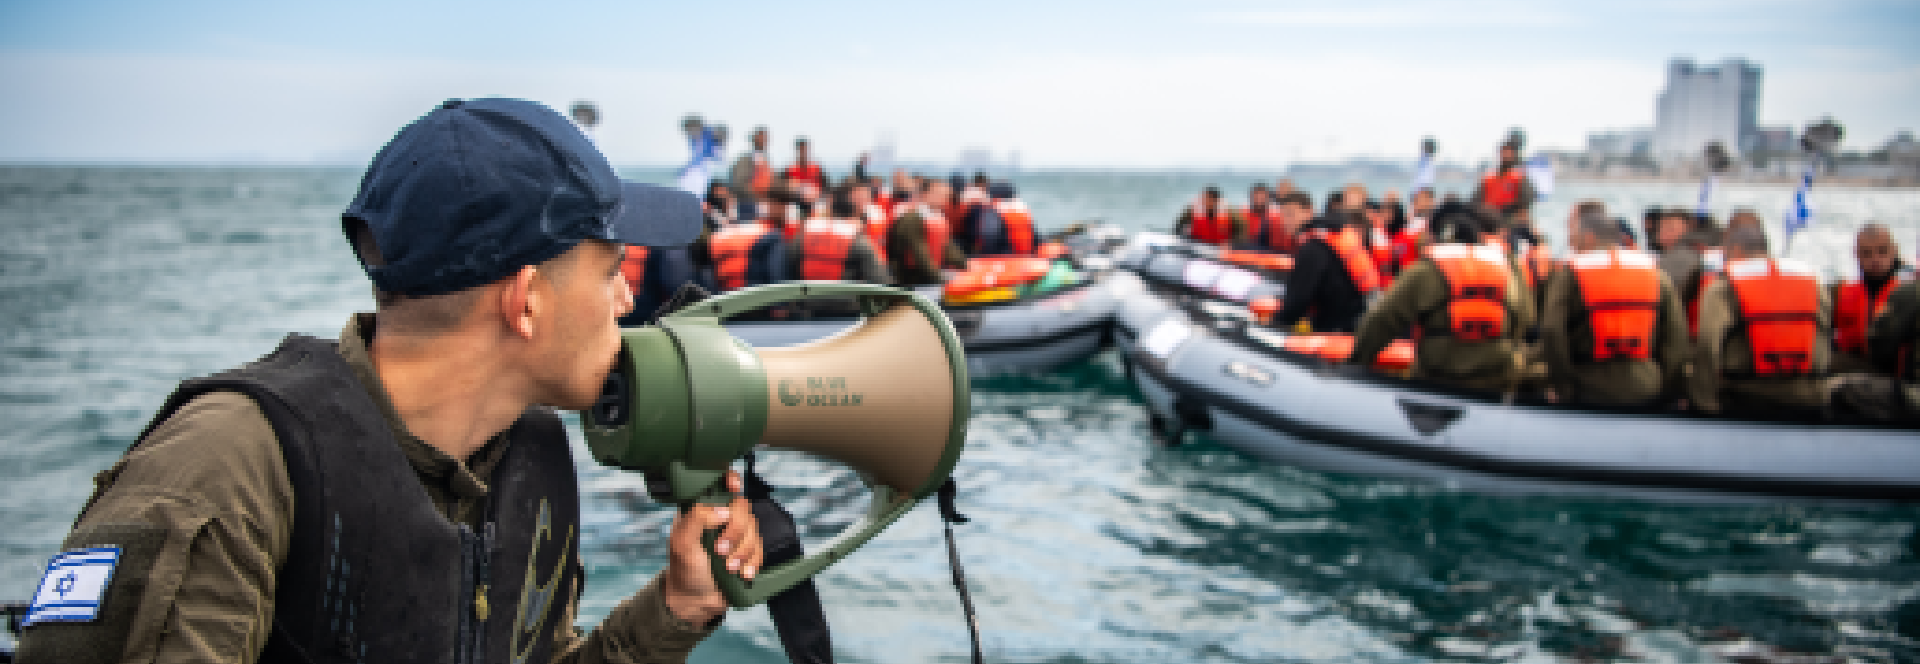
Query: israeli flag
(700, 168)
(1802, 212)
(73, 586)
(1540, 173)
(1706, 195)
(1423, 177)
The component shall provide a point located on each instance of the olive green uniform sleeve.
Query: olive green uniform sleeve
(210, 488)
(641, 630)
(1418, 289)
(952, 255)
(907, 248)
(1710, 337)
(1556, 328)
(1896, 328)
(1673, 343)
(866, 263)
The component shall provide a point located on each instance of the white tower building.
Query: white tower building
(1702, 104)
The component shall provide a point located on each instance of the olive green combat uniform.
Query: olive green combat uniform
(1893, 343)
(1721, 351)
(1566, 337)
(1419, 297)
(209, 492)
(912, 260)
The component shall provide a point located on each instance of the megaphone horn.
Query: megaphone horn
(887, 397)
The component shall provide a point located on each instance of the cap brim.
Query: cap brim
(655, 216)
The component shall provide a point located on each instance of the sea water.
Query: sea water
(1089, 542)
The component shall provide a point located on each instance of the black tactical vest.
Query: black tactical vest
(375, 573)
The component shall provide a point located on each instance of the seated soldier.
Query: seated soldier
(1612, 328)
(1764, 344)
(1470, 313)
(1856, 301)
(836, 248)
(1209, 221)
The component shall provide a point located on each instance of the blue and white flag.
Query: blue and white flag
(705, 160)
(1540, 173)
(73, 586)
(1802, 212)
(1706, 195)
(1424, 176)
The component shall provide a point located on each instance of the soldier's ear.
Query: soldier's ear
(520, 302)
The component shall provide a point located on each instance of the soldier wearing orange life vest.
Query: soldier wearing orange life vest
(1015, 219)
(836, 248)
(804, 176)
(1506, 189)
(754, 252)
(1858, 300)
(1208, 221)
(1292, 212)
(752, 174)
(1764, 344)
(1612, 328)
(1258, 216)
(875, 217)
(1462, 305)
(1333, 276)
(920, 242)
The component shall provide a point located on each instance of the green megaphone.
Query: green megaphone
(887, 397)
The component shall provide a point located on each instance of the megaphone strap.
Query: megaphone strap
(949, 515)
(797, 614)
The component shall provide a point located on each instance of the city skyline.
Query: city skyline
(1211, 84)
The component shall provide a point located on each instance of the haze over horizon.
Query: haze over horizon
(1201, 85)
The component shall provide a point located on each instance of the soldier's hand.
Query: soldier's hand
(688, 584)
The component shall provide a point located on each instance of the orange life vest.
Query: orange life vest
(1019, 223)
(1477, 279)
(1779, 306)
(1346, 244)
(1382, 254)
(1502, 189)
(1621, 289)
(1852, 312)
(633, 267)
(824, 248)
(1280, 238)
(732, 247)
(762, 177)
(1258, 219)
(1216, 228)
(808, 172)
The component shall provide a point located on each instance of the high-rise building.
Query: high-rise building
(1703, 104)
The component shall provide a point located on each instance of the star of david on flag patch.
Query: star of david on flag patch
(73, 586)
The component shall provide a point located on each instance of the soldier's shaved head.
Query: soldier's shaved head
(1876, 251)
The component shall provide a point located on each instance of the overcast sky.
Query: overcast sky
(1112, 83)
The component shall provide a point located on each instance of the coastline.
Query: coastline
(1784, 180)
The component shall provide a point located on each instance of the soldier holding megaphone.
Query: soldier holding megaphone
(407, 493)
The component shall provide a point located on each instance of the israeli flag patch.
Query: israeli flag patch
(73, 586)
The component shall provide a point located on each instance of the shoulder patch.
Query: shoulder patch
(73, 586)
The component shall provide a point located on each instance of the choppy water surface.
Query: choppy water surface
(1089, 542)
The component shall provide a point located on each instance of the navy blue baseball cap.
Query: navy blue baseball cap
(476, 189)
